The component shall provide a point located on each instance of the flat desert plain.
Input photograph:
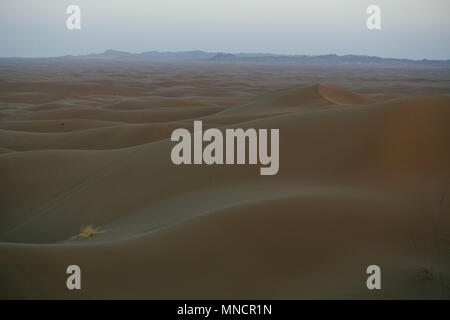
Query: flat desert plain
(364, 178)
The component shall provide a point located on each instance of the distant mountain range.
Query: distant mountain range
(198, 55)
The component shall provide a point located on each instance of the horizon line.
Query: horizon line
(297, 55)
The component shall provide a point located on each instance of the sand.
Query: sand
(364, 179)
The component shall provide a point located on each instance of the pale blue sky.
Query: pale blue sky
(410, 28)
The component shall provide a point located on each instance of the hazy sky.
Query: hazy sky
(410, 28)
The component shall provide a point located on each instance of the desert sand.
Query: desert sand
(364, 179)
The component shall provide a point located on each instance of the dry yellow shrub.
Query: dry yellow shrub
(86, 232)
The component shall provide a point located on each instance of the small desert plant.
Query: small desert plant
(86, 232)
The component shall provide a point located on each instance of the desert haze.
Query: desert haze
(364, 176)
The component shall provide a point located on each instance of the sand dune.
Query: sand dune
(284, 100)
(361, 182)
(60, 125)
(340, 96)
(135, 116)
(118, 136)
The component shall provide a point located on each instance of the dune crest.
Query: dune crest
(339, 96)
